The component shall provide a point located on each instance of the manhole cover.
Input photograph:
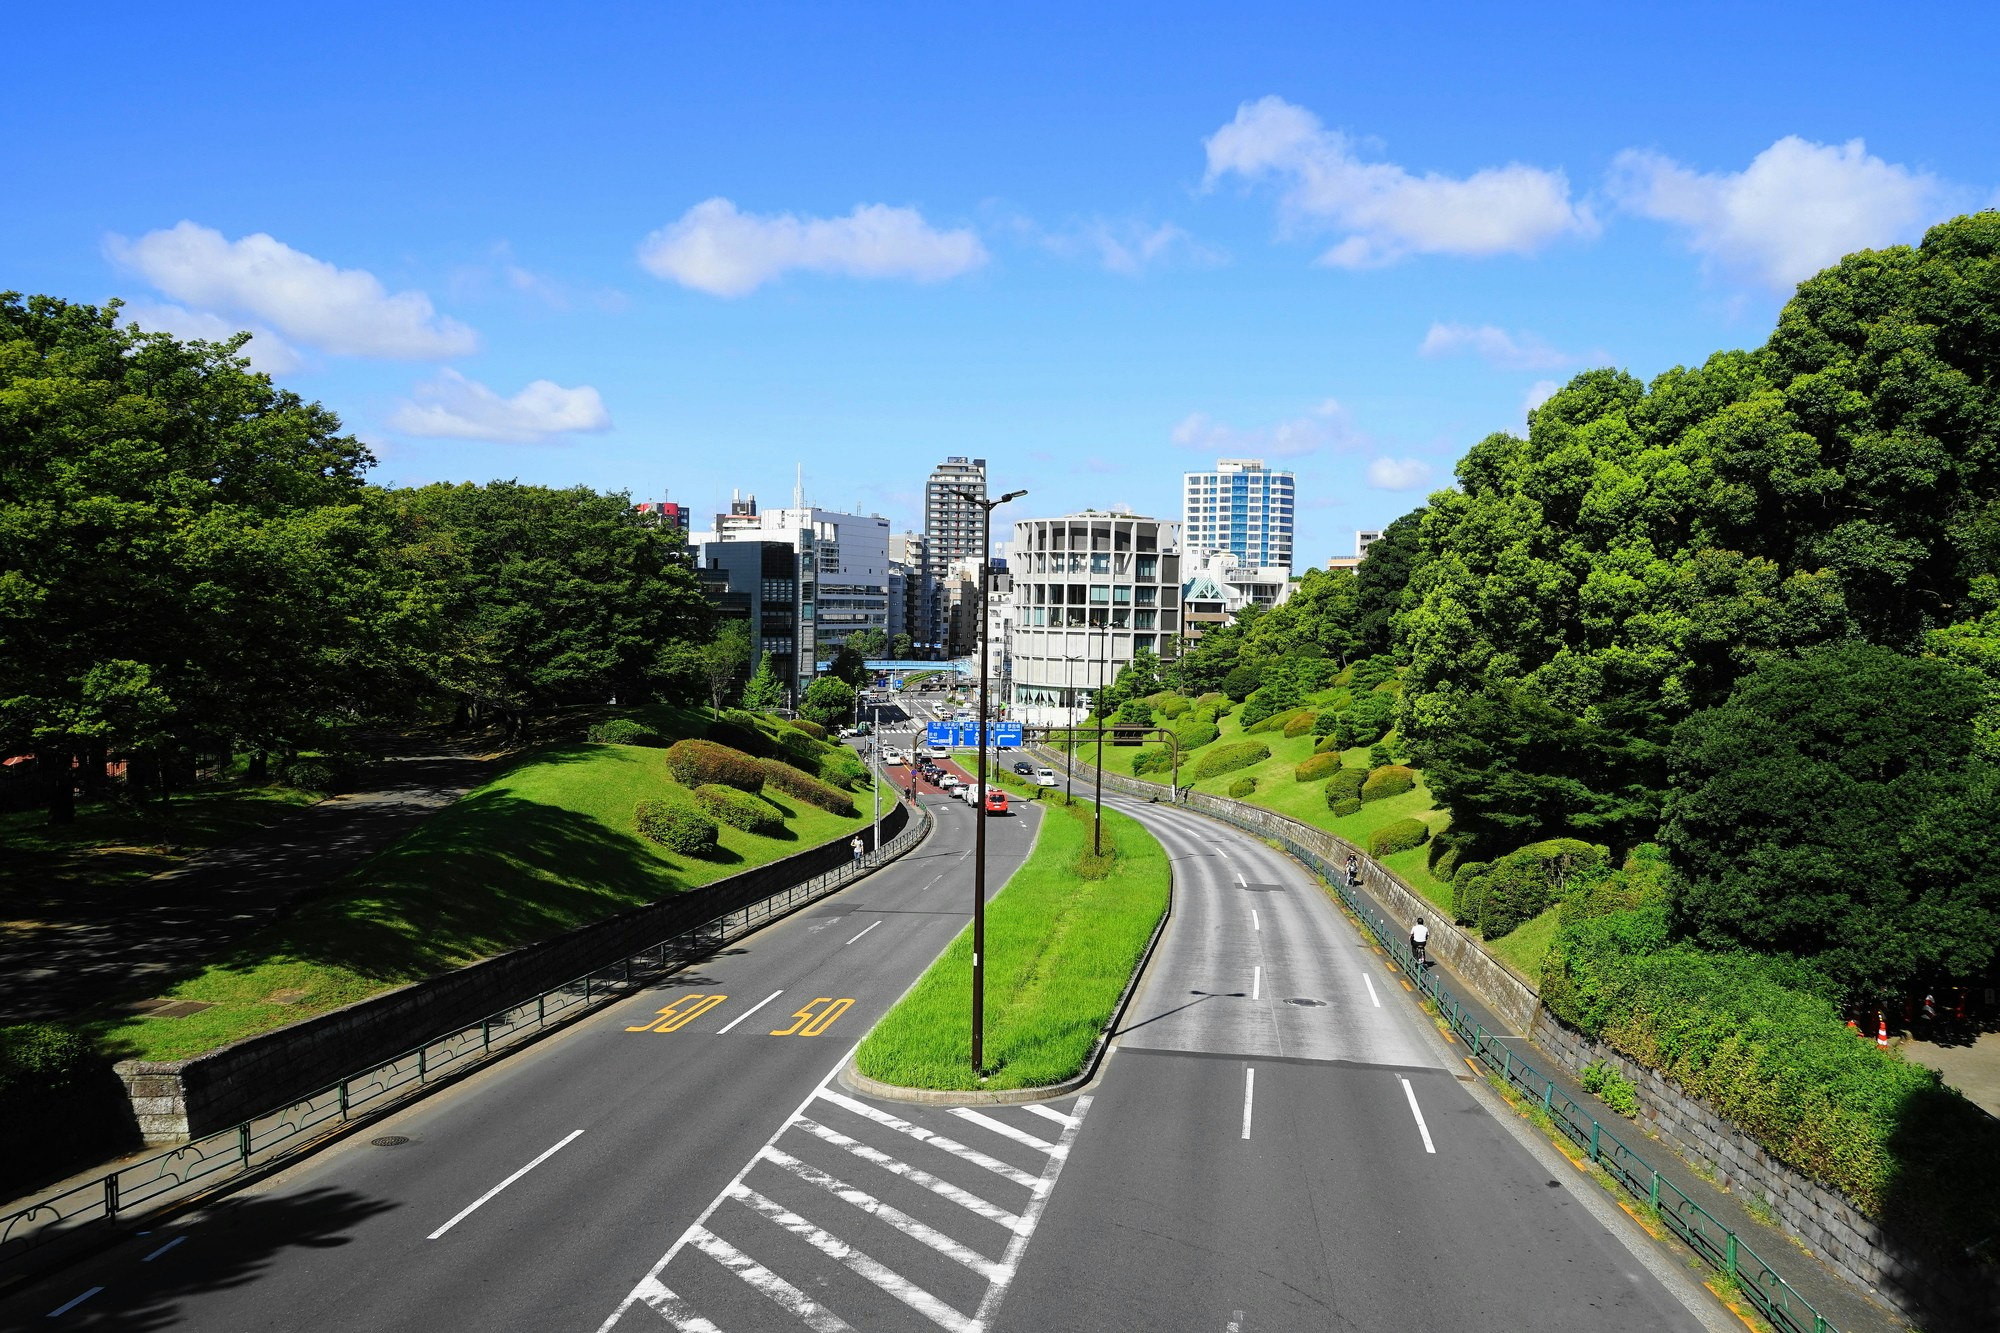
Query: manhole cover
(1304, 1003)
(390, 1140)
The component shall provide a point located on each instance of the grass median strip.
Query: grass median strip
(1062, 940)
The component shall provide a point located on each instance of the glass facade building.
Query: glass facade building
(1242, 507)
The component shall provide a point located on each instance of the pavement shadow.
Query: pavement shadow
(1941, 1215)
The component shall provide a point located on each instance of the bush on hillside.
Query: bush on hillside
(1344, 807)
(1386, 781)
(1215, 700)
(794, 741)
(1524, 883)
(1241, 788)
(1241, 682)
(808, 789)
(1228, 758)
(677, 824)
(1344, 784)
(840, 768)
(1318, 767)
(623, 731)
(735, 731)
(739, 809)
(1278, 721)
(1398, 836)
(1301, 722)
(1380, 755)
(1324, 722)
(809, 727)
(1152, 761)
(695, 762)
(1330, 745)
(1196, 731)
(1446, 848)
(1170, 705)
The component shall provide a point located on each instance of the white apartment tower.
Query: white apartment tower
(950, 522)
(1243, 508)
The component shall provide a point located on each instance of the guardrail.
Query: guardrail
(263, 1140)
(1721, 1247)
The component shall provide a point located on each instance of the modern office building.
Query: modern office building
(913, 592)
(1089, 591)
(1242, 508)
(665, 513)
(1363, 539)
(769, 586)
(844, 586)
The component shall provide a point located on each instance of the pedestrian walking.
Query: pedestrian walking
(856, 845)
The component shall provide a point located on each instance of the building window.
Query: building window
(1146, 596)
(1121, 593)
(1149, 567)
(1143, 619)
(1099, 594)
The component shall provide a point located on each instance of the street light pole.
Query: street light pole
(1097, 819)
(986, 508)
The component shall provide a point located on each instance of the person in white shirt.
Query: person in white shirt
(1420, 935)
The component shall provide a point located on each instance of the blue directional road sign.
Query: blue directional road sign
(1007, 735)
(942, 735)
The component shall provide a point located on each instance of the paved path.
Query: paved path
(178, 917)
(1973, 1067)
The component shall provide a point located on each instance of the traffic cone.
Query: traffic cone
(1881, 1031)
(1851, 1027)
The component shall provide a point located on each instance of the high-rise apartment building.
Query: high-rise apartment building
(1242, 507)
(950, 522)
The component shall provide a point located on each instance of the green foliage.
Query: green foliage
(839, 767)
(1496, 897)
(1330, 745)
(739, 731)
(623, 731)
(1611, 1087)
(763, 691)
(1386, 781)
(695, 763)
(809, 727)
(1442, 860)
(677, 824)
(846, 666)
(1379, 582)
(793, 741)
(721, 660)
(1380, 756)
(1344, 784)
(1316, 767)
(829, 701)
(1132, 713)
(1323, 723)
(1834, 808)
(739, 809)
(1228, 758)
(869, 643)
(59, 1097)
(1153, 761)
(1343, 807)
(1301, 722)
(1196, 730)
(1136, 680)
(1242, 787)
(1170, 705)
(809, 789)
(1398, 836)
(1241, 681)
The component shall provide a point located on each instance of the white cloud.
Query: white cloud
(1388, 212)
(716, 249)
(1798, 207)
(1128, 247)
(1496, 346)
(1538, 393)
(266, 350)
(343, 311)
(1398, 474)
(453, 407)
(1327, 426)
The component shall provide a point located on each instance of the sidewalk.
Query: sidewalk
(182, 916)
(1973, 1068)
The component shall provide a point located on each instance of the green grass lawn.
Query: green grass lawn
(546, 846)
(1524, 947)
(1062, 940)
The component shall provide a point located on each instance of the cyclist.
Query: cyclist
(1420, 935)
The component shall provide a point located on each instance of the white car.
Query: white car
(969, 793)
(950, 781)
(1045, 777)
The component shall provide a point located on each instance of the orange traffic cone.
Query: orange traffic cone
(1881, 1031)
(1851, 1027)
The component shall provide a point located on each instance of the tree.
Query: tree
(765, 691)
(869, 643)
(1319, 619)
(1379, 581)
(1136, 680)
(722, 660)
(847, 664)
(903, 648)
(1834, 809)
(829, 701)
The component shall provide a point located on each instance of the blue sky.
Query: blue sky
(680, 248)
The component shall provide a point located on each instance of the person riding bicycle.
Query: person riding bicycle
(1420, 935)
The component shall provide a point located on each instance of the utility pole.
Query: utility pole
(986, 508)
(1097, 818)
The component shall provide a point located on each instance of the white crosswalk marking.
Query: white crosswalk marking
(819, 1214)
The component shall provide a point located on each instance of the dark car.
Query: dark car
(1025, 769)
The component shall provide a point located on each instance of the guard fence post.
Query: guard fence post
(343, 1099)
(243, 1143)
(1732, 1254)
(111, 1195)
(1595, 1129)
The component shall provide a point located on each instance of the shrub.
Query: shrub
(841, 769)
(1170, 705)
(1344, 807)
(739, 809)
(808, 789)
(56, 1094)
(1197, 731)
(1152, 761)
(1445, 851)
(1317, 767)
(1527, 881)
(1279, 720)
(1301, 722)
(623, 731)
(1241, 682)
(750, 739)
(1345, 785)
(1380, 755)
(1241, 788)
(1611, 1087)
(695, 763)
(1330, 745)
(809, 727)
(1228, 758)
(677, 824)
(1467, 882)
(1324, 723)
(1399, 836)
(1215, 700)
(794, 741)
(1386, 781)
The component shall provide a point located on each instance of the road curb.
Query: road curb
(859, 1082)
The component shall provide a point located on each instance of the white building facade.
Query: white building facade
(845, 587)
(1242, 508)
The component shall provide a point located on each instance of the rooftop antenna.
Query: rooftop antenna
(799, 487)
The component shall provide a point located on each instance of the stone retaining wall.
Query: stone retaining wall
(175, 1100)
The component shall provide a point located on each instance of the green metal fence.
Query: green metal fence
(258, 1142)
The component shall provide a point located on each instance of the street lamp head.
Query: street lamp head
(1011, 495)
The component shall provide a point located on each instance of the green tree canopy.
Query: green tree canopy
(829, 701)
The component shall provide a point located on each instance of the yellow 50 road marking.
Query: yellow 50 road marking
(675, 1016)
(812, 1023)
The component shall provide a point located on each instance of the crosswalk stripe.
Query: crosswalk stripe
(676, 1311)
(894, 1216)
(1001, 1127)
(1050, 1113)
(922, 1135)
(904, 1290)
(817, 1317)
(992, 1212)
(1044, 1187)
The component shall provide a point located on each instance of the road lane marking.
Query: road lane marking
(1242, 881)
(673, 1017)
(815, 1316)
(1049, 1113)
(1253, 920)
(1044, 1186)
(67, 1306)
(871, 926)
(938, 1141)
(1249, 1096)
(1371, 990)
(163, 1249)
(1418, 1112)
(894, 1216)
(1005, 1130)
(474, 1206)
(747, 1012)
(904, 1290)
(1256, 982)
(677, 1311)
(966, 1199)
(809, 1024)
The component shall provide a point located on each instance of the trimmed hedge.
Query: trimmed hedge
(677, 824)
(623, 731)
(1345, 785)
(696, 763)
(1398, 836)
(1345, 806)
(728, 731)
(809, 727)
(59, 1095)
(1242, 787)
(1196, 730)
(1388, 780)
(797, 742)
(739, 809)
(1169, 705)
(808, 789)
(1153, 761)
(839, 768)
(1301, 722)
(1228, 758)
(1329, 745)
(1497, 896)
(1317, 767)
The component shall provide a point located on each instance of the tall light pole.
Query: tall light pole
(986, 508)
(1097, 705)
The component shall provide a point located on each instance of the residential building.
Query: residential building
(1243, 508)
(913, 592)
(665, 513)
(1363, 539)
(952, 528)
(1089, 591)
(769, 586)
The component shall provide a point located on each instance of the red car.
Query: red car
(996, 801)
